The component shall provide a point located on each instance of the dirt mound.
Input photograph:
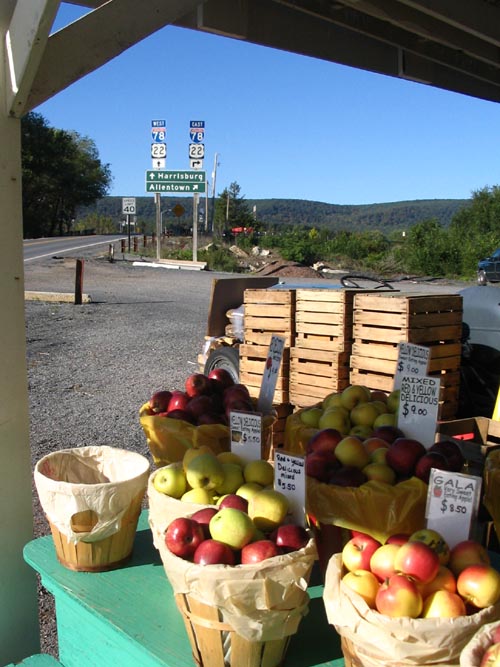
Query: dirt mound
(288, 269)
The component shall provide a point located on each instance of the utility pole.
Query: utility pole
(214, 178)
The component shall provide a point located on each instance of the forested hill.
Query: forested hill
(383, 217)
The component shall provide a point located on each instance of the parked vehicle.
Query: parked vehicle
(488, 269)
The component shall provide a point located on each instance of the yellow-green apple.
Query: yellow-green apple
(397, 538)
(213, 552)
(435, 541)
(248, 490)
(384, 419)
(222, 377)
(205, 471)
(199, 496)
(479, 585)
(320, 465)
(465, 553)
(178, 401)
(183, 536)
(379, 455)
(399, 597)
(310, 416)
(259, 471)
(443, 581)
(361, 431)
(443, 604)
(347, 476)
(290, 537)
(371, 444)
(452, 453)
(193, 452)
(233, 527)
(387, 432)
(324, 441)
(159, 401)
(403, 455)
(380, 405)
(233, 478)
(332, 400)
(171, 481)
(357, 552)
(336, 418)
(233, 500)
(393, 400)
(363, 414)
(429, 461)
(417, 560)
(203, 517)
(268, 509)
(380, 472)
(491, 657)
(230, 457)
(350, 452)
(256, 552)
(364, 583)
(353, 395)
(382, 561)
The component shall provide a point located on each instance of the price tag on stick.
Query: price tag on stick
(418, 407)
(246, 434)
(290, 479)
(452, 504)
(270, 376)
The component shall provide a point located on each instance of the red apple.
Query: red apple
(479, 585)
(290, 537)
(320, 465)
(324, 441)
(452, 453)
(184, 415)
(372, 443)
(197, 384)
(236, 392)
(382, 561)
(347, 476)
(212, 552)
(397, 538)
(465, 553)
(398, 597)
(388, 433)
(203, 517)
(255, 552)
(239, 405)
(428, 461)
(183, 536)
(443, 581)
(443, 604)
(235, 501)
(199, 405)
(403, 455)
(178, 401)
(357, 552)
(418, 561)
(222, 377)
(211, 418)
(159, 401)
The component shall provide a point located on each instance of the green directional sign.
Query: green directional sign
(175, 181)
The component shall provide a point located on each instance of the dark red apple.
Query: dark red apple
(235, 501)
(159, 401)
(212, 552)
(398, 538)
(178, 401)
(236, 391)
(290, 537)
(240, 405)
(347, 476)
(183, 536)
(320, 465)
(197, 384)
(199, 405)
(211, 418)
(255, 552)
(184, 415)
(221, 376)
(203, 517)
(325, 440)
(403, 454)
(388, 433)
(452, 453)
(428, 461)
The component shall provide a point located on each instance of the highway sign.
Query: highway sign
(196, 164)
(197, 136)
(175, 181)
(159, 163)
(128, 206)
(178, 188)
(196, 151)
(158, 150)
(158, 130)
(196, 123)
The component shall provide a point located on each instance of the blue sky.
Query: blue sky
(283, 125)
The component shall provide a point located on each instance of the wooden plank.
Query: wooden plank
(321, 307)
(388, 351)
(418, 336)
(261, 352)
(318, 370)
(325, 295)
(277, 296)
(323, 329)
(323, 318)
(268, 310)
(328, 382)
(409, 320)
(408, 303)
(257, 366)
(269, 323)
(280, 395)
(374, 365)
(329, 356)
(259, 337)
(332, 343)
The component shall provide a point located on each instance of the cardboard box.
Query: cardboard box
(475, 435)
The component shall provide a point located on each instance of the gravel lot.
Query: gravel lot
(91, 367)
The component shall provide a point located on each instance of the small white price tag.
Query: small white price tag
(412, 360)
(246, 435)
(418, 407)
(452, 504)
(290, 479)
(270, 376)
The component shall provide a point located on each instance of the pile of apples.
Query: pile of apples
(385, 455)
(207, 478)
(419, 576)
(205, 399)
(230, 536)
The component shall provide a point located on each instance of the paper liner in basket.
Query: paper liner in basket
(473, 652)
(260, 602)
(102, 479)
(381, 641)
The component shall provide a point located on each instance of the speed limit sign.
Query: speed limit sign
(197, 151)
(128, 205)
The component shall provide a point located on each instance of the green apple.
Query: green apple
(193, 452)
(350, 451)
(199, 496)
(232, 527)
(205, 471)
(268, 509)
(336, 418)
(332, 401)
(249, 489)
(259, 471)
(380, 405)
(385, 419)
(393, 401)
(363, 414)
(361, 431)
(171, 481)
(353, 395)
(310, 416)
(230, 457)
(380, 472)
(233, 478)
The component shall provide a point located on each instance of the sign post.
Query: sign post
(128, 209)
(196, 155)
(158, 156)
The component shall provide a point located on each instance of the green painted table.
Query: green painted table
(129, 616)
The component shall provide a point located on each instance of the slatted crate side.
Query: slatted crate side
(266, 296)
(314, 317)
(407, 320)
(378, 364)
(335, 357)
(253, 359)
(328, 382)
(306, 341)
(408, 302)
(333, 330)
(319, 295)
(303, 396)
(390, 351)
(259, 337)
(421, 336)
(265, 310)
(269, 324)
(253, 383)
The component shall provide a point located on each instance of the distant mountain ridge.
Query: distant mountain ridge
(385, 217)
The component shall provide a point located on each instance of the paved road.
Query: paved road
(36, 250)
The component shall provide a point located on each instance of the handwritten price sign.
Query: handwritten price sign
(270, 376)
(412, 360)
(418, 407)
(290, 479)
(246, 435)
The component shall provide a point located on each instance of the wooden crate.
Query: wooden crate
(324, 319)
(252, 362)
(283, 411)
(268, 313)
(316, 373)
(381, 321)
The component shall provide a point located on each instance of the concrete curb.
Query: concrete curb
(61, 297)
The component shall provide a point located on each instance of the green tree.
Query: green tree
(429, 250)
(231, 210)
(61, 171)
